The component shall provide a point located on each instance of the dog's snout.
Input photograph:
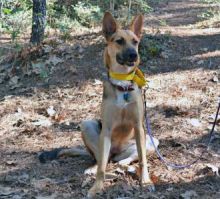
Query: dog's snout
(128, 57)
(132, 55)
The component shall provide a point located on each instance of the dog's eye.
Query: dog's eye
(134, 41)
(120, 41)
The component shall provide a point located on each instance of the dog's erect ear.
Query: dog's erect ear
(109, 25)
(137, 25)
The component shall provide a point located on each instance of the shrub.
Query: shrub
(88, 15)
(16, 18)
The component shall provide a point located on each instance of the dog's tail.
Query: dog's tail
(61, 152)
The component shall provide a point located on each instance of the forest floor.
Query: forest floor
(46, 91)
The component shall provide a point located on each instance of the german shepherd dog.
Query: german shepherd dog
(120, 135)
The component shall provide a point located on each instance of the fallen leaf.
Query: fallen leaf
(111, 176)
(97, 82)
(50, 111)
(194, 122)
(6, 191)
(11, 163)
(123, 198)
(170, 189)
(85, 182)
(155, 179)
(47, 48)
(215, 79)
(154, 84)
(59, 117)
(131, 169)
(52, 196)
(81, 50)
(164, 55)
(41, 183)
(37, 67)
(200, 62)
(14, 80)
(23, 177)
(127, 188)
(119, 170)
(17, 197)
(214, 168)
(211, 118)
(2, 77)
(54, 60)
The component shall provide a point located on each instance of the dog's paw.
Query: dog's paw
(96, 188)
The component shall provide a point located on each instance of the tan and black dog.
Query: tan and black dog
(120, 136)
(122, 111)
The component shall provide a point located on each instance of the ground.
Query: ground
(46, 94)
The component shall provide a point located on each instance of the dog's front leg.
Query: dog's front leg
(104, 150)
(141, 148)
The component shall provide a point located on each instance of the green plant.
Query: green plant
(211, 16)
(87, 14)
(65, 15)
(163, 22)
(142, 6)
(207, 14)
(150, 46)
(16, 18)
(154, 49)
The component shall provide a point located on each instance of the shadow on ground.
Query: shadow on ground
(173, 53)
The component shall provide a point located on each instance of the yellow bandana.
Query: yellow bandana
(136, 75)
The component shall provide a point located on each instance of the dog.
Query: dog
(120, 135)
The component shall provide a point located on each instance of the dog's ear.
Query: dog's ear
(109, 25)
(137, 25)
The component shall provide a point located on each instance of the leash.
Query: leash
(174, 165)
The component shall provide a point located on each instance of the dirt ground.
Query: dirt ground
(41, 110)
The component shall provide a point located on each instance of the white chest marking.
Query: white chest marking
(120, 99)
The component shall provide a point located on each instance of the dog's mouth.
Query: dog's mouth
(121, 61)
(128, 63)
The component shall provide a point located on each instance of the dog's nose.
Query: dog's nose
(132, 55)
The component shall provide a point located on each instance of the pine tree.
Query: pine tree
(38, 21)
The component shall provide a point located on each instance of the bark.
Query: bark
(1, 4)
(112, 6)
(129, 10)
(38, 21)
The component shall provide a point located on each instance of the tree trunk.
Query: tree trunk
(129, 10)
(38, 21)
(1, 4)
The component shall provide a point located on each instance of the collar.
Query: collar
(136, 76)
(122, 85)
(123, 88)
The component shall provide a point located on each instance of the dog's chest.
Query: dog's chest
(126, 105)
(123, 98)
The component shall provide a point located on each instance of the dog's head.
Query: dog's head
(121, 54)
